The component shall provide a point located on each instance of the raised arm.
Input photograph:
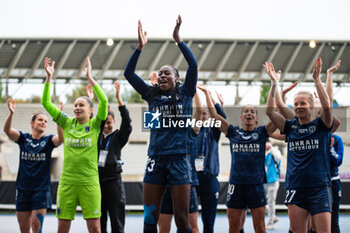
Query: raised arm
(212, 111)
(327, 115)
(276, 118)
(288, 89)
(135, 81)
(219, 108)
(117, 93)
(46, 97)
(12, 133)
(220, 98)
(197, 114)
(281, 102)
(154, 78)
(102, 110)
(329, 89)
(192, 71)
(125, 125)
(89, 92)
(329, 81)
(58, 139)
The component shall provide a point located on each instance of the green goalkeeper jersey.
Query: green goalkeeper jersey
(80, 140)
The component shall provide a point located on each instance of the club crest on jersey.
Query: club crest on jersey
(42, 143)
(87, 128)
(255, 136)
(312, 129)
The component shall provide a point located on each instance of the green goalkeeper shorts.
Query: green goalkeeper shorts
(71, 195)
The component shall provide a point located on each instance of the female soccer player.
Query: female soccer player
(308, 174)
(166, 209)
(168, 149)
(247, 176)
(33, 195)
(79, 183)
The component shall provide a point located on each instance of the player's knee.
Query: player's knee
(148, 214)
(24, 227)
(164, 227)
(234, 226)
(94, 228)
(259, 225)
(181, 221)
(37, 223)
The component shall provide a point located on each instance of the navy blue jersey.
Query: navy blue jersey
(174, 106)
(308, 163)
(247, 155)
(193, 149)
(170, 139)
(336, 155)
(34, 163)
(208, 146)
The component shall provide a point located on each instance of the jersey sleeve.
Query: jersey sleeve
(287, 126)
(231, 131)
(262, 131)
(220, 110)
(63, 120)
(21, 137)
(59, 117)
(135, 81)
(50, 142)
(192, 71)
(322, 126)
(102, 110)
(216, 131)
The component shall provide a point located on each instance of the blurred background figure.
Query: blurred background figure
(272, 167)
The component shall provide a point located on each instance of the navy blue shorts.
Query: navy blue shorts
(32, 200)
(315, 200)
(168, 170)
(167, 202)
(242, 196)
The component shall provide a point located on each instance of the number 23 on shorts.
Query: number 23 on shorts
(150, 164)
